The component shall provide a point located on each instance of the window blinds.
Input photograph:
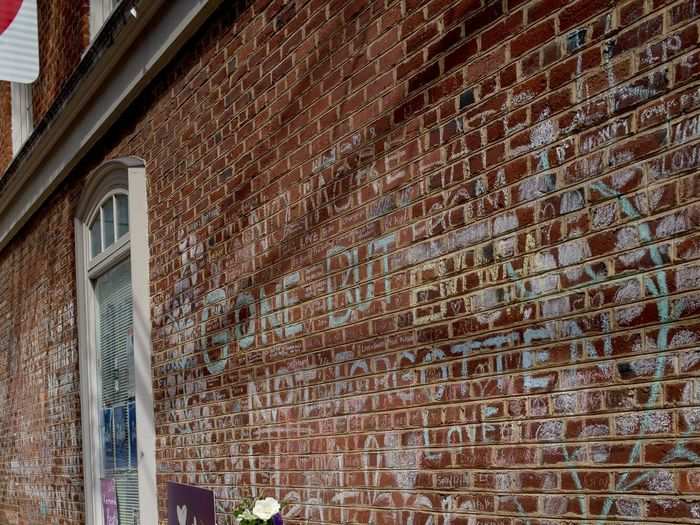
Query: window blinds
(116, 360)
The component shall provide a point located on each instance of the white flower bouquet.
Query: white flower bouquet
(258, 512)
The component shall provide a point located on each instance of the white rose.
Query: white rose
(266, 508)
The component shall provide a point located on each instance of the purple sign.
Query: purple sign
(110, 510)
(190, 505)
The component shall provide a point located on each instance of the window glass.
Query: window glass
(122, 214)
(95, 236)
(113, 297)
(108, 222)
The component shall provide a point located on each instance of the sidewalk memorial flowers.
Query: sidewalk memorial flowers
(258, 512)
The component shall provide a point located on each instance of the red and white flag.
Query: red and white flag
(19, 41)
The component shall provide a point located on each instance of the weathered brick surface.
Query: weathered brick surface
(404, 270)
(64, 33)
(5, 126)
(40, 441)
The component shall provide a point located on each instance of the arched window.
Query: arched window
(111, 227)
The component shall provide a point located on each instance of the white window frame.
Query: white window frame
(22, 114)
(113, 250)
(124, 174)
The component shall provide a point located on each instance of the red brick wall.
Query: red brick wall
(40, 451)
(64, 33)
(420, 262)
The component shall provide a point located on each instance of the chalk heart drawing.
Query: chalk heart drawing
(8, 12)
(182, 515)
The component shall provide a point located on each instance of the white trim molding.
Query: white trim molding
(128, 174)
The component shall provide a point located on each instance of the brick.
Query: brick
(461, 55)
(531, 64)
(636, 36)
(430, 248)
(611, 132)
(466, 99)
(483, 18)
(460, 10)
(445, 42)
(410, 66)
(529, 90)
(640, 91)
(551, 53)
(688, 68)
(425, 77)
(672, 508)
(384, 43)
(508, 76)
(485, 66)
(498, 33)
(419, 39)
(538, 10)
(671, 45)
(576, 40)
(602, 26)
(622, 506)
(631, 12)
(689, 482)
(580, 11)
(686, 10)
(535, 36)
(446, 88)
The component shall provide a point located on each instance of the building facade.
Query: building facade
(390, 261)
